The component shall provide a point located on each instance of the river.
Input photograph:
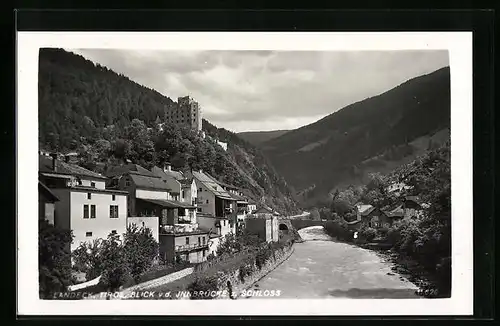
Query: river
(322, 268)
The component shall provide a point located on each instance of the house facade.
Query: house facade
(218, 229)
(151, 195)
(213, 199)
(252, 206)
(46, 203)
(265, 227)
(189, 246)
(370, 216)
(85, 205)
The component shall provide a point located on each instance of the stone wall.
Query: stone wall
(232, 280)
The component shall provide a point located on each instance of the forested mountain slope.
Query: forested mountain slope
(374, 135)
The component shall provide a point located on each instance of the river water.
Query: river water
(322, 268)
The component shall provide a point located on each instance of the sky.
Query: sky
(269, 90)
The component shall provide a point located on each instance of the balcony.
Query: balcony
(179, 228)
(188, 247)
(186, 219)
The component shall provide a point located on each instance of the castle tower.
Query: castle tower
(186, 113)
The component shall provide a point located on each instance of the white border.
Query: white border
(459, 45)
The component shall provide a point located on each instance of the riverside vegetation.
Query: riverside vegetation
(239, 261)
(421, 243)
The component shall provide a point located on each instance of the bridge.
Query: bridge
(292, 224)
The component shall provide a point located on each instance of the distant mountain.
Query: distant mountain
(259, 137)
(106, 118)
(373, 135)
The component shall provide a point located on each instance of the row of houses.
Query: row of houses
(189, 213)
(407, 207)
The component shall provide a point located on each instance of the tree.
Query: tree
(88, 258)
(54, 259)
(314, 215)
(115, 266)
(341, 207)
(121, 148)
(141, 249)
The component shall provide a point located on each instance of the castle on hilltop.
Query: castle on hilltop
(186, 113)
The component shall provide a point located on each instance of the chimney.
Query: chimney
(54, 160)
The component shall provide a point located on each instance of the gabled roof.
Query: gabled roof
(395, 212)
(239, 198)
(227, 185)
(45, 166)
(413, 199)
(177, 175)
(210, 183)
(168, 203)
(365, 209)
(128, 169)
(149, 182)
(48, 193)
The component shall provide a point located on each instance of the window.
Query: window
(92, 211)
(92, 184)
(187, 240)
(183, 194)
(113, 197)
(204, 252)
(200, 189)
(204, 240)
(127, 183)
(199, 241)
(88, 234)
(85, 211)
(207, 201)
(89, 196)
(198, 209)
(113, 211)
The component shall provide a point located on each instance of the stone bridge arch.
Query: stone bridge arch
(291, 226)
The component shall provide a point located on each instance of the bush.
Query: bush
(382, 233)
(338, 229)
(263, 256)
(54, 259)
(203, 284)
(246, 269)
(141, 249)
(394, 236)
(368, 233)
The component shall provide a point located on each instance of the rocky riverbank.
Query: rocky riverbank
(414, 272)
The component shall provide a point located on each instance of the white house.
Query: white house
(85, 205)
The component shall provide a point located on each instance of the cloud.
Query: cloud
(269, 90)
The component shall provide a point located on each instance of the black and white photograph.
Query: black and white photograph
(250, 175)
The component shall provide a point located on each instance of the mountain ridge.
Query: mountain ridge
(259, 137)
(107, 118)
(329, 151)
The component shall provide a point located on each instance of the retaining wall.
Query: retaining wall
(237, 286)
